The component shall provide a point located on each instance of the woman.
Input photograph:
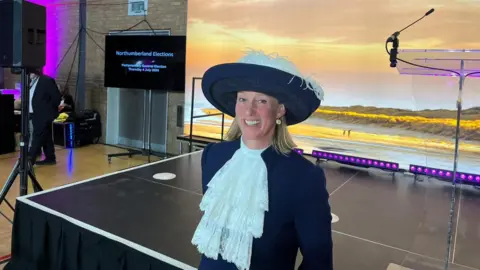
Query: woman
(262, 201)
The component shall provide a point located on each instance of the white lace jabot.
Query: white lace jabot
(234, 208)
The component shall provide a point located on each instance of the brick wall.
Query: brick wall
(162, 14)
(102, 17)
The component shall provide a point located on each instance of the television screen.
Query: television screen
(145, 62)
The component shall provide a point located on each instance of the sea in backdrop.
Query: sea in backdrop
(364, 140)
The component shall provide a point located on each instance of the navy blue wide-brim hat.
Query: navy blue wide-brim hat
(269, 75)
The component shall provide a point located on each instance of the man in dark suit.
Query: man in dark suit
(45, 98)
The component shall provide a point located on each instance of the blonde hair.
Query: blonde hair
(282, 140)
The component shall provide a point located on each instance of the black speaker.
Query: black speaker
(22, 34)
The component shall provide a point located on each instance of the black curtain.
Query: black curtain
(41, 241)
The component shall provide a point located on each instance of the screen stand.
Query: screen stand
(145, 151)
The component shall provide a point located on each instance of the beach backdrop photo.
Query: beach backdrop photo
(370, 109)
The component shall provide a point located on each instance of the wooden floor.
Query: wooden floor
(72, 166)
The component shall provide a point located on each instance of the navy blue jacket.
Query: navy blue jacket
(298, 217)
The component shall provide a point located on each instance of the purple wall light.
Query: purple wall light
(53, 36)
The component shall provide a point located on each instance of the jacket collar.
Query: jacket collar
(269, 156)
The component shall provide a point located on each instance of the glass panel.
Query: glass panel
(448, 60)
(434, 120)
(465, 241)
(461, 237)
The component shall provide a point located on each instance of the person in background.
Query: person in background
(45, 98)
(262, 200)
(67, 105)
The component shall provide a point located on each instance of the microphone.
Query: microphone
(394, 39)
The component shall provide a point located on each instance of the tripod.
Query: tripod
(23, 166)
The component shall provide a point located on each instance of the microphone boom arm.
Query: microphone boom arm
(394, 39)
(396, 34)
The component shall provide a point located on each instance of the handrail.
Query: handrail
(207, 115)
(190, 139)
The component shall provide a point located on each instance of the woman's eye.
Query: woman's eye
(262, 101)
(241, 99)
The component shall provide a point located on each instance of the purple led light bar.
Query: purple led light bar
(356, 161)
(298, 150)
(445, 174)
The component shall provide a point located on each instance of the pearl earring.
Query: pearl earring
(278, 121)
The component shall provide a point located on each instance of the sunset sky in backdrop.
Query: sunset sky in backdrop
(341, 43)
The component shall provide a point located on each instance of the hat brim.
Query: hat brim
(221, 83)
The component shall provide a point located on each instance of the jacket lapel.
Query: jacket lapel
(270, 157)
(37, 88)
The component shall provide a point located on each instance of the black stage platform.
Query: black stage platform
(129, 220)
